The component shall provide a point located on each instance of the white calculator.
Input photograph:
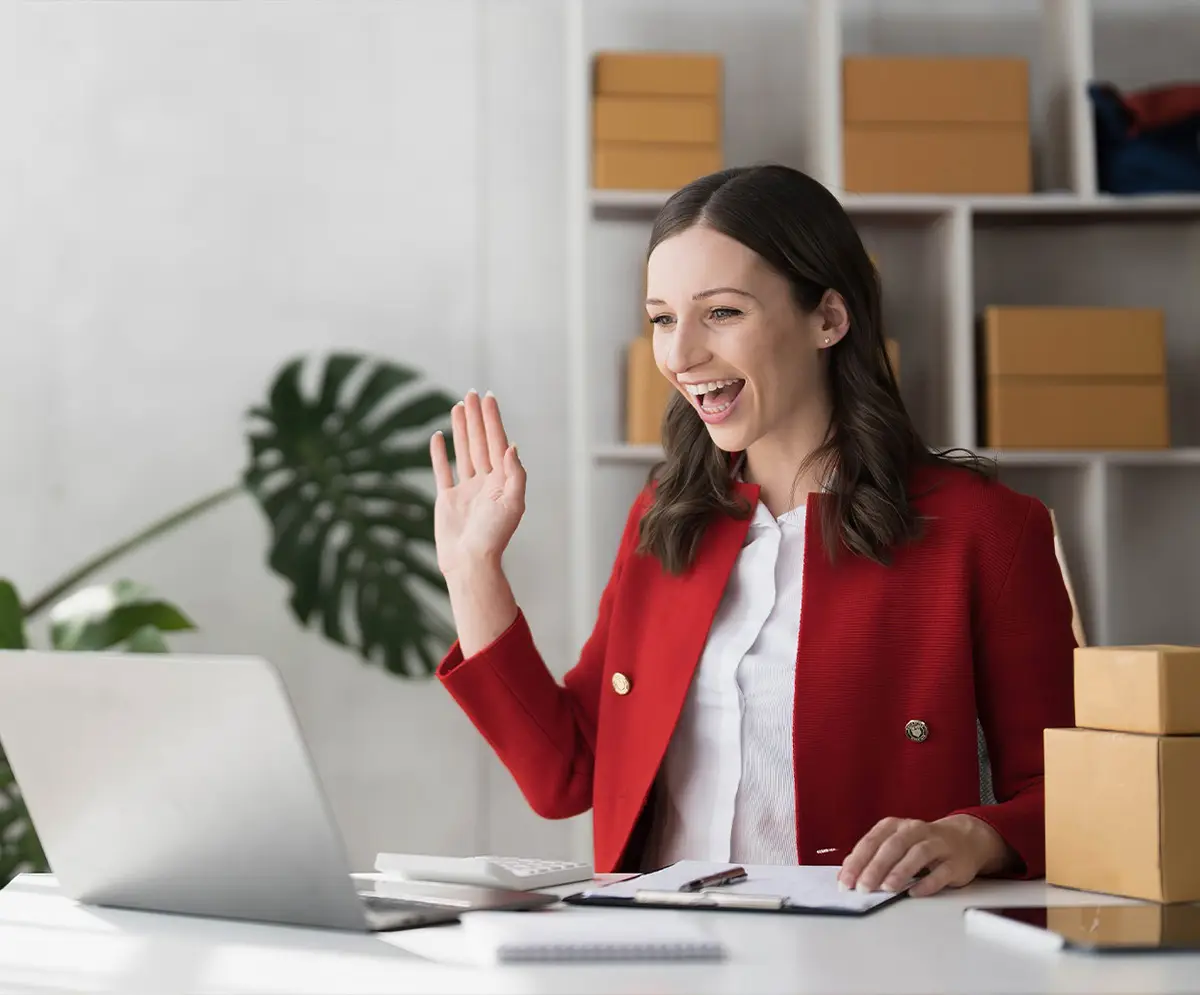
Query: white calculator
(513, 873)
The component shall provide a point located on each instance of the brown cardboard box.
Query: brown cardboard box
(641, 166)
(914, 89)
(647, 392)
(661, 74)
(935, 159)
(1123, 813)
(691, 120)
(1074, 377)
(1150, 689)
(1066, 413)
(935, 125)
(1125, 925)
(893, 351)
(1074, 341)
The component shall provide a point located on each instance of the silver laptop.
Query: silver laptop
(175, 783)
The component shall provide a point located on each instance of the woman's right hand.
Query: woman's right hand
(475, 518)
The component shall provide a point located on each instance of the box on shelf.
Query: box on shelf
(1074, 378)
(940, 125)
(647, 392)
(1147, 689)
(656, 119)
(1123, 813)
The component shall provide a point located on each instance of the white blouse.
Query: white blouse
(727, 790)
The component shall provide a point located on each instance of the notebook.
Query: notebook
(784, 888)
(583, 935)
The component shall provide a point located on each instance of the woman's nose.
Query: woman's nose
(688, 347)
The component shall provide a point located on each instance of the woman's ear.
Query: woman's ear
(831, 319)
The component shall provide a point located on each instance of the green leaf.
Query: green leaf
(341, 475)
(147, 639)
(107, 615)
(12, 618)
(20, 849)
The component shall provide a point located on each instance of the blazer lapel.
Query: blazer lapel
(684, 607)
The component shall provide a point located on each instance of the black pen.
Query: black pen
(731, 875)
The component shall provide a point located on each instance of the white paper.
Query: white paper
(813, 887)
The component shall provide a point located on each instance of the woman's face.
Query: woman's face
(730, 336)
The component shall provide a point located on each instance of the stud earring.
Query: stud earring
(827, 340)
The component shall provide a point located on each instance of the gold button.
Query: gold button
(916, 730)
(621, 683)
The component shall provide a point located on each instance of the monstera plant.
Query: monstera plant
(340, 471)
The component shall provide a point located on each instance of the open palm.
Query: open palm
(475, 518)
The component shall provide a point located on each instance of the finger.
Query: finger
(940, 877)
(462, 453)
(864, 850)
(442, 475)
(921, 856)
(891, 851)
(497, 441)
(477, 434)
(514, 477)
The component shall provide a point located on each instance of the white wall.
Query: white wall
(190, 193)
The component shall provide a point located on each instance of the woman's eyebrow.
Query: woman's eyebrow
(708, 293)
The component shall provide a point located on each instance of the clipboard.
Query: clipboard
(790, 890)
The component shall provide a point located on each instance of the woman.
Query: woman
(819, 642)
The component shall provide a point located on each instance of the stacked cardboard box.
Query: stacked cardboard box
(1122, 803)
(656, 119)
(935, 125)
(647, 392)
(1074, 378)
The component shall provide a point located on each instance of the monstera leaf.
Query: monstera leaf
(342, 472)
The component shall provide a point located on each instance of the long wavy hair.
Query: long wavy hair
(872, 446)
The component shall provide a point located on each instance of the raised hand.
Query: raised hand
(475, 518)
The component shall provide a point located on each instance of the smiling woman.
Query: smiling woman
(820, 642)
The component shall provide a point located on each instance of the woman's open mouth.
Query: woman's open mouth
(716, 399)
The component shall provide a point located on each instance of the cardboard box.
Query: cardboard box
(1074, 341)
(691, 120)
(936, 159)
(935, 125)
(1074, 377)
(640, 166)
(647, 392)
(1045, 413)
(1127, 925)
(1123, 813)
(893, 353)
(1148, 689)
(659, 74)
(931, 90)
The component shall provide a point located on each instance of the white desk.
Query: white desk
(50, 944)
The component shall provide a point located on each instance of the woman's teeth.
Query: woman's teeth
(709, 395)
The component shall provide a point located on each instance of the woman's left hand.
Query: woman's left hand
(953, 851)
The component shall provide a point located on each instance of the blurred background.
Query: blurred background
(192, 194)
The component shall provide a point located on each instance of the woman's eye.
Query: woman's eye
(660, 319)
(722, 313)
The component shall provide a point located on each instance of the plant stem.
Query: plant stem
(152, 531)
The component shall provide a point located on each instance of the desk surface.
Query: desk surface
(50, 944)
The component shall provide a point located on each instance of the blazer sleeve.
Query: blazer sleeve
(1024, 673)
(542, 731)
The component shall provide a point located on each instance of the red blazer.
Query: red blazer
(973, 620)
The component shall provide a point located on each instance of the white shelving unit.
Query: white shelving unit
(1130, 520)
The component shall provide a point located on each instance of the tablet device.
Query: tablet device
(1091, 927)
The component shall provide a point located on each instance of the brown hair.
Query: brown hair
(801, 230)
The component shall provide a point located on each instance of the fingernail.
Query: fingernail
(489, 394)
(473, 391)
(842, 886)
(887, 887)
(862, 888)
